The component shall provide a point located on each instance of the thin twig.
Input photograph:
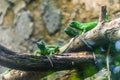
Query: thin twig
(50, 61)
(107, 61)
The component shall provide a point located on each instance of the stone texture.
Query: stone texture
(19, 33)
(3, 9)
(52, 17)
(6, 38)
(23, 26)
(18, 5)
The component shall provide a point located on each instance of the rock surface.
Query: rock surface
(52, 17)
(18, 5)
(23, 26)
(3, 9)
(20, 32)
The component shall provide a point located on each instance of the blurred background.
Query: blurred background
(24, 22)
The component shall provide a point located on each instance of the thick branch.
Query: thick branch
(43, 63)
(90, 39)
(101, 35)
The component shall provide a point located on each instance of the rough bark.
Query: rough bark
(27, 62)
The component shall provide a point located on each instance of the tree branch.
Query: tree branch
(86, 41)
(27, 62)
(103, 12)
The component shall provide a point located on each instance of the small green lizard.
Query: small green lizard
(84, 27)
(46, 49)
(71, 32)
(81, 28)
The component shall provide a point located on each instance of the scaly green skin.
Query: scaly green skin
(46, 50)
(76, 25)
(84, 27)
(88, 26)
(71, 32)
